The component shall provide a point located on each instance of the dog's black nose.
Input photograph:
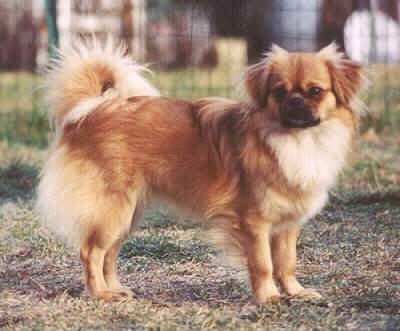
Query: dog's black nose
(296, 102)
(297, 114)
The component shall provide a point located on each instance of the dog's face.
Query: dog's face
(300, 90)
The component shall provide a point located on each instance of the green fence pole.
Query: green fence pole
(51, 16)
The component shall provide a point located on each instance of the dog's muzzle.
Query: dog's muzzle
(297, 115)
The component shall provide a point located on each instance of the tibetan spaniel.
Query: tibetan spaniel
(253, 170)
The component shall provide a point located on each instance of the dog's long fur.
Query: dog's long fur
(118, 144)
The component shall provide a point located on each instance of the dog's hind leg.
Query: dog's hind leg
(100, 248)
(110, 267)
(92, 258)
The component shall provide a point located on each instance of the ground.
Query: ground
(350, 252)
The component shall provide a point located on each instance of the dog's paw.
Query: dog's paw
(293, 288)
(269, 293)
(124, 291)
(114, 295)
(308, 293)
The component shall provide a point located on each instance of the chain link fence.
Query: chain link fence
(196, 48)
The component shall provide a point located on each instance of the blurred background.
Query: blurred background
(195, 48)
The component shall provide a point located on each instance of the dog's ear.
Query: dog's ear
(347, 76)
(256, 79)
(256, 76)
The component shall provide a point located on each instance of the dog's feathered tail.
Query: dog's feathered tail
(80, 80)
(88, 73)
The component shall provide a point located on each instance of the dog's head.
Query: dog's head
(299, 90)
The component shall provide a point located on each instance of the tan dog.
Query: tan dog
(255, 170)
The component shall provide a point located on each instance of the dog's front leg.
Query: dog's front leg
(284, 261)
(259, 260)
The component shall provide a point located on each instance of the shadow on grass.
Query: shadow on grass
(209, 292)
(166, 249)
(385, 302)
(41, 278)
(391, 196)
(17, 181)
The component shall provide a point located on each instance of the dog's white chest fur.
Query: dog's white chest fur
(310, 160)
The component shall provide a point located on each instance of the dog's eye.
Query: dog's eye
(280, 92)
(315, 91)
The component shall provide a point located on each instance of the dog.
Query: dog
(254, 170)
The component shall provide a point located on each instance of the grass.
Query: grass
(383, 97)
(375, 166)
(349, 252)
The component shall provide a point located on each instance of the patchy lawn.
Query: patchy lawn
(350, 252)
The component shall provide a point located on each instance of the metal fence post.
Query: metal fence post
(51, 16)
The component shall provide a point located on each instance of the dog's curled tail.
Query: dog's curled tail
(88, 73)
